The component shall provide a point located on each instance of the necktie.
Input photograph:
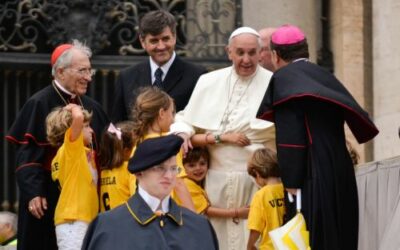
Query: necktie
(158, 78)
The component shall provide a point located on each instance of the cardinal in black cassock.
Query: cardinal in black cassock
(34, 155)
(309, 107)
(135, 224)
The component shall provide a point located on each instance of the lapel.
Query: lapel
(174, 74)
(175, 212)
(144, 74)
(142, 213)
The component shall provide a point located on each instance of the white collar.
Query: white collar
(154, 202)
(207, 113)
(300, 59)
(64, 89)
(164, 68)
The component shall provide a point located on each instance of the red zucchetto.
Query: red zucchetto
(287, 35)
(59, 51)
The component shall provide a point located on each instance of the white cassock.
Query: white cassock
(224, 102)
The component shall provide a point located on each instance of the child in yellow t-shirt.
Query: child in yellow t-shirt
(267, 206)
(116, 183)
(74, 169)
(196, 167)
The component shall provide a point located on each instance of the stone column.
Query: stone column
(386, 76)
(350, 29)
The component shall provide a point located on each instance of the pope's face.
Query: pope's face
(159, 181)
(160, 47)
(243, 51)
(77, 76)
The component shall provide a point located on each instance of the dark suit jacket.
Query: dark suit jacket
(133, 225)
(178, 83)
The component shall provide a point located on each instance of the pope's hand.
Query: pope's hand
(239, 139)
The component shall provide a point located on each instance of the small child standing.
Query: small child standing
(196, 167)
(74, 169)
(267, 206)
(117, 184)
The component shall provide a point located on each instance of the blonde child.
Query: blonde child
(116, 183)
(196, 167)
(153, 114)
(74, 169)
(267, 206)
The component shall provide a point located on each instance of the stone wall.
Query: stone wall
(386, 76)
(305, 14)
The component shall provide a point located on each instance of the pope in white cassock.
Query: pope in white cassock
(226, 101)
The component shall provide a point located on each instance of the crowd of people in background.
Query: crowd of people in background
(189, 159)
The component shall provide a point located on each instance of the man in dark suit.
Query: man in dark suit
(164, 69)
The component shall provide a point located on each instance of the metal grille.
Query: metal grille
(110, 27)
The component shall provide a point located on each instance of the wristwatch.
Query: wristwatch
(217, 139)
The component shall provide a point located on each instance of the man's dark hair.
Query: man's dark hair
(291, 52)
(155, 22)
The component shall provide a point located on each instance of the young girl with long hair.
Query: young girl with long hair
(116, 183)
(153, 114)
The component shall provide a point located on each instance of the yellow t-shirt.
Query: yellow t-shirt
(266, 212)
(116, 186)
(198, 194)
(78, 198)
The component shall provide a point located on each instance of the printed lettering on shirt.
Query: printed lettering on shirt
(108, 181)
(276, 202)
(54, 167)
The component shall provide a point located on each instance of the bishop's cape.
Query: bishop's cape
(309, 107)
